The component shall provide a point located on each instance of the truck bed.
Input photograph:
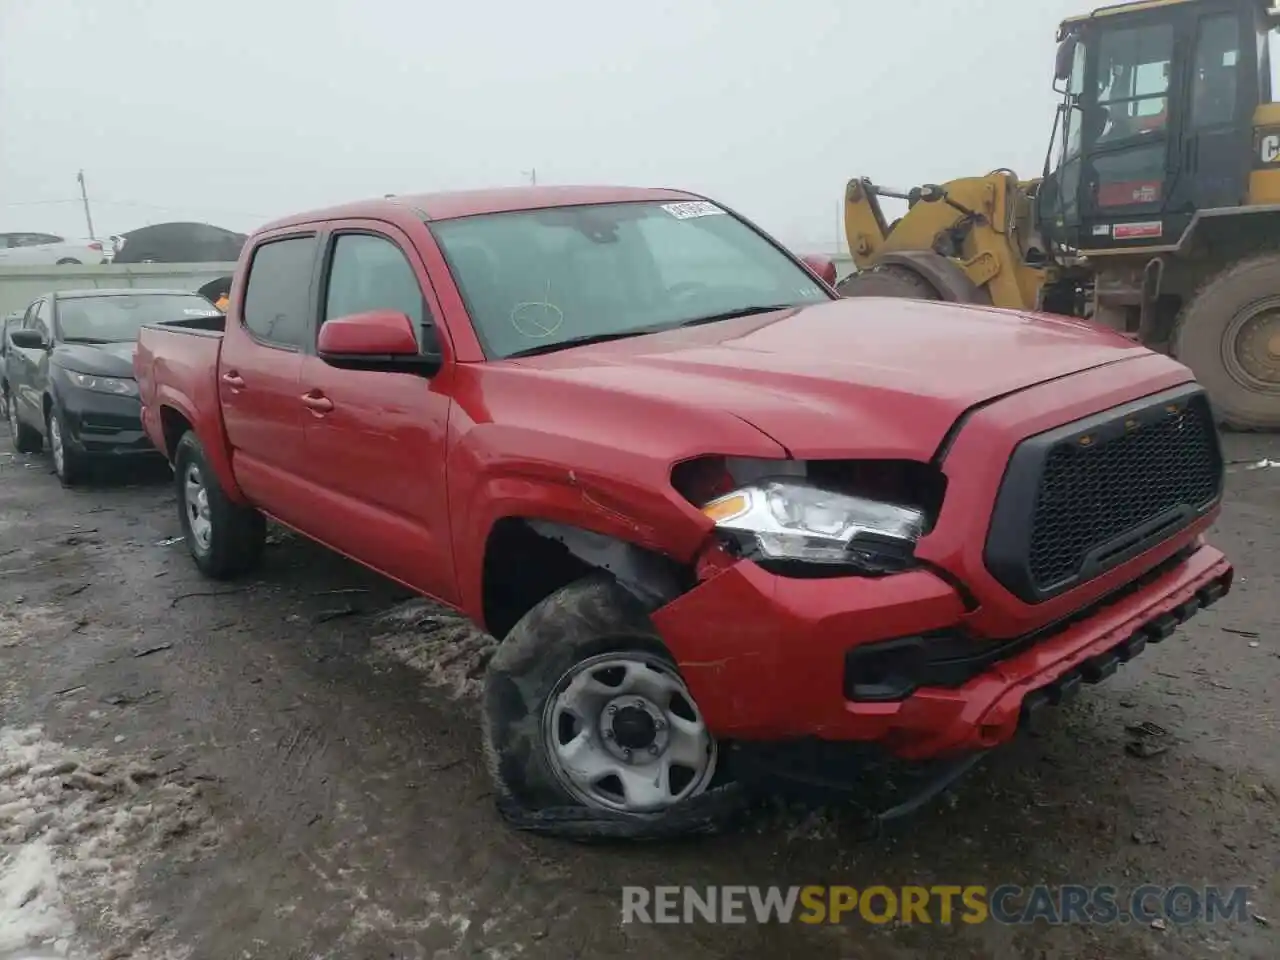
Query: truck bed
(176, 365)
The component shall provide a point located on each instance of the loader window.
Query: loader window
(1213, 91)
(1133, 81)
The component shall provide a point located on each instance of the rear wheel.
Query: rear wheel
(68, 261)
(1229, 335)
(224, 538)
(886, 281)
(24, 439)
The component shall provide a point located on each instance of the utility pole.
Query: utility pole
(532, 175)
(84, 197)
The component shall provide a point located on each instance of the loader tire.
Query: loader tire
(887, 281)
(1229, 335)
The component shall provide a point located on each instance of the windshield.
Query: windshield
(116, 319)
(534, 280)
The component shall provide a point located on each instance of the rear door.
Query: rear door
(375, 448)
(259, 365)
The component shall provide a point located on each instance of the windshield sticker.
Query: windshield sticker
(691, 209)
(197, 312)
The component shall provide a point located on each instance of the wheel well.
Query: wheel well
(526, 560)
(174, 425)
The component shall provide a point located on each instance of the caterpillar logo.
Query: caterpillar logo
(1269, 148)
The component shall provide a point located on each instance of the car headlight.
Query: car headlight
(121, 386)
(786, 520)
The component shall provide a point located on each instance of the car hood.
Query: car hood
(103, 360)
(869, 376)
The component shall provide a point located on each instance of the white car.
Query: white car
(35, 249)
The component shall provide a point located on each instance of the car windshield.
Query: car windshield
(538, 280)
(116, 319)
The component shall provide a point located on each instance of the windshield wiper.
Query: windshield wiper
(85, 340)
(734, 314)
(642, 331)
(579, 342)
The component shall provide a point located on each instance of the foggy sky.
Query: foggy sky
(237, 111)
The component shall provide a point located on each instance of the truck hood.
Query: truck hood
(97, 359)
(872, 377)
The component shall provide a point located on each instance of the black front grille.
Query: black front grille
(1085, 497)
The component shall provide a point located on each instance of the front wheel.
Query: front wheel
(1229, 335)
(68, 262)
(224, 538)
(589, 728)
(68, 465)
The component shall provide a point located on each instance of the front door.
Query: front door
(376, 440)
(258, 373)
(1222, 96)
(1131, 134)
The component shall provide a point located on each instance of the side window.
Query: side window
(278, 293)
(371, 273)
(1213, 90)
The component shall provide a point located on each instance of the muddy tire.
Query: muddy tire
(886, 281)
(225, 539)
(24, 438)
(580, 681)
(1229, 335)
(69, 466)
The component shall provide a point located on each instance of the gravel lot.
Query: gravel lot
(290, 768)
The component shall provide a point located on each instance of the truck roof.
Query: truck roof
(467, 203)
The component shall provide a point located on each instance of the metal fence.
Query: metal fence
(20, 285)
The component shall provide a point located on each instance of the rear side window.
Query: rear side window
(278, 293)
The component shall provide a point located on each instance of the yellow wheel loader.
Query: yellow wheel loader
(1158, 213)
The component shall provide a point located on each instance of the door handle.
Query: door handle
(233, 380)
(317, 405)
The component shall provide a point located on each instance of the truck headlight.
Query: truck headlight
(792, 521)
(121, 386)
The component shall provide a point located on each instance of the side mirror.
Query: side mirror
(28, 339)
(824, 267)
(1065, 59)
(375, 340)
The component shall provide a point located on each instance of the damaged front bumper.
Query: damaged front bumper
(773, 659)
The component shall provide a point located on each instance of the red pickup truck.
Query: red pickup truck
(720, 519)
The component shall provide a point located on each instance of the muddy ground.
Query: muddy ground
(281, 769)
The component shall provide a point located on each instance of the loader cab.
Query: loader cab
(1156, 120)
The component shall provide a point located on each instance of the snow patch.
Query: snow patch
(76, 828)
(445, 648)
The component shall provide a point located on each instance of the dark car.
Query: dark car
(179, 243)
(68, 372)
(7, 321)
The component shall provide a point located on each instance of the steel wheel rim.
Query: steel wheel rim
(623, 733)
(196, 501)
(1251, 346)
(55, 445)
